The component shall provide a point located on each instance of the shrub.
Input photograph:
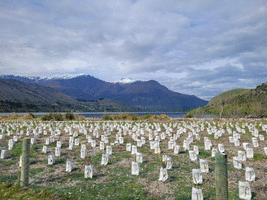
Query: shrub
(47, 117)
(189, 115)
(107, 117)
(58, 117)
(69, 116)
(134, 117)
(147, 116)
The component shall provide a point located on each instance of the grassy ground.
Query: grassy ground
(115, 181)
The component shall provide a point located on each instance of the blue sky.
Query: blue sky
(200, 48)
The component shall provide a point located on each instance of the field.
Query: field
(114, 180)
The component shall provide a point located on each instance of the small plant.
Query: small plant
(163, 163)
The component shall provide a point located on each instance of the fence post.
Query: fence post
(25, 167)
(221, 176)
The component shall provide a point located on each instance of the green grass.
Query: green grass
(16, 151)
(259, 157)
(15, 191)
(204, 154)
(36, 170)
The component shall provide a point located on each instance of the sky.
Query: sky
(195, 47)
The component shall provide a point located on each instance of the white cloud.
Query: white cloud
(192, 47)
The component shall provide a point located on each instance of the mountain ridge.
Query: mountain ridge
(149, 95)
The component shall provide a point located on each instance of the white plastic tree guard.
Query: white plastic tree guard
(139, 143)
(3, 154)
(193, 155)
(93, 143)
(51, 159)
(169, 163)
(204, 166)
(242, 155)
(250, 174)
(170, 145)
(156, 149)
(89, 171)
(75, 134)
(105, 159)
(71, 146)
(244, 190)
(10, 144)
(197, 176)
(213, 152)
(245, 145)
(135, 168)
(134, 149)
(237, 163)
(164, 158)
(176, 149)
(71, 140)
(231, 139)
(237, 143)
(163, 174)
(83, 153)
(128, 147)
(196, 149)
(69, 165)
(265, 150)
(261, 137)
(47, 141)
(101, 145)
(77, 142)
(156, 143)
(121, 140)
(143, 140)
(150, 136)
(197, 136)
(57, 152)
(59, 144)
(15, 138)
(139, 157)
(250, 153)
(186, 145)
(221, 148)
(45, 149)
(255, 142)
(20, 161)
(207, 144)
(109, 150)
(197, 194)
(152, 143)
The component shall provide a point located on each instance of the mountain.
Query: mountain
(250, 103)
(17, 96)
(148, 95)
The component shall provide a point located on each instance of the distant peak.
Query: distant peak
(66, 76)
(125, 80)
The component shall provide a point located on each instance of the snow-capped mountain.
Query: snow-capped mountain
(125, 80)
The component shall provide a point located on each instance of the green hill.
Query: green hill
(251, 103)
(227, 95)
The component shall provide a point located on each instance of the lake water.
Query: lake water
(100, 114)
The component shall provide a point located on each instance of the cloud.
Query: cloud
(192, 47)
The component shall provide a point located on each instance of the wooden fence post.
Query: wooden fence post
(25, 167)
(221, 176)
